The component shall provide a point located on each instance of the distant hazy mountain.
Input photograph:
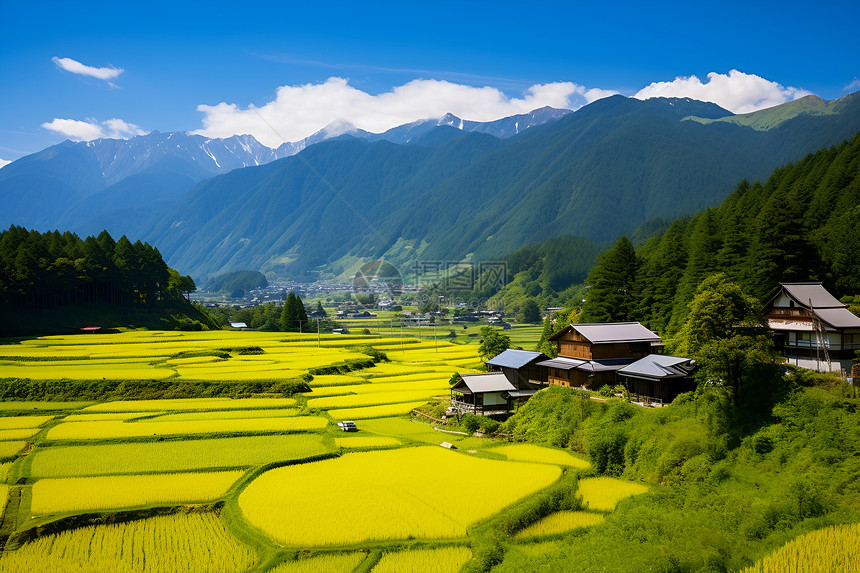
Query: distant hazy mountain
(87, 186)
(502, 128)
(120, 184)
(596, 173)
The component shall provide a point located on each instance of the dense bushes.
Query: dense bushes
(725, 493)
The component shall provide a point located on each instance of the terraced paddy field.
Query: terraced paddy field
(259, 481)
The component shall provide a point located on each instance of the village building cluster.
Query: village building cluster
(812, 329)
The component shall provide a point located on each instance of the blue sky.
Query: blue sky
(394, 62)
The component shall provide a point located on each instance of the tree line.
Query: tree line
(292, 316)
(53, 269)
(802, 224)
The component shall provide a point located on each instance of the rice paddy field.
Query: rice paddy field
(828, 550)
(261, 482)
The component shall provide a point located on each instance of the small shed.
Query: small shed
(482, 394)
(659, 378)
(239, 325)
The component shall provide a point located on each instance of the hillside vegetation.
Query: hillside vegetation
(57, 282)
(596, 173)
(802, 223)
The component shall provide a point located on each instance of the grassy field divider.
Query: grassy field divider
(269, 553)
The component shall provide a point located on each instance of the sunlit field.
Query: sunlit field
(260, 456)
(604, 493)
(129, 429)
(828, 550)
(334, 563)
(441, 560)
(560, 522)
(165, 544)
(172, 456)
(96, 493)
(391, 494)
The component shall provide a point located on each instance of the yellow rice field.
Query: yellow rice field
(372, 399)
(413, 482)
(367, 442)
(440, 560)
(4, 493)
(834, 549)
(335, 380)
(18, 433)
(222, 415)
(560, 522)
(121, 429)
(9, 449)
(195, 542)
(15, 422)
(375, 411)
(191, 404)
(108, 416)
(333, 563)
(60, 370)
(532, 453)
(173, 456)
(4, 470)
(604, 493)
(63, 495)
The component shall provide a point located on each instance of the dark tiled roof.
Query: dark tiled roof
(658, 366)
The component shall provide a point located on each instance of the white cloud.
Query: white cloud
(736, 91)
(299, 111)
(853, 86)
(4, 163)
(91, 129)
(107, 73)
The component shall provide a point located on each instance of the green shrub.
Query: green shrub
(471, 422)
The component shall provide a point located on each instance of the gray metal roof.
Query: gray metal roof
(610, 332)
(486, 382)
(658, 366)
(802, 293)
(511, 358)
(616, 332)
(604, 365)
(522, 394)
(562, 363)
(838, 317)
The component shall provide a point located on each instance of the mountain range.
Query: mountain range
(119, 184)
(435, 190)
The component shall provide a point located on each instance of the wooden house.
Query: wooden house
(590, 354)
(658, 378)
(484, 394)
(812, 328)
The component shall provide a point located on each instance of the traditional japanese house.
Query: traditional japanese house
(658, 378)
(591, 354)
(484, 394)
(812, 328)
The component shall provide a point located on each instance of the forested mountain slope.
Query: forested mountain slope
(596, 173)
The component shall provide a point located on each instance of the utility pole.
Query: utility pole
(435, 340)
